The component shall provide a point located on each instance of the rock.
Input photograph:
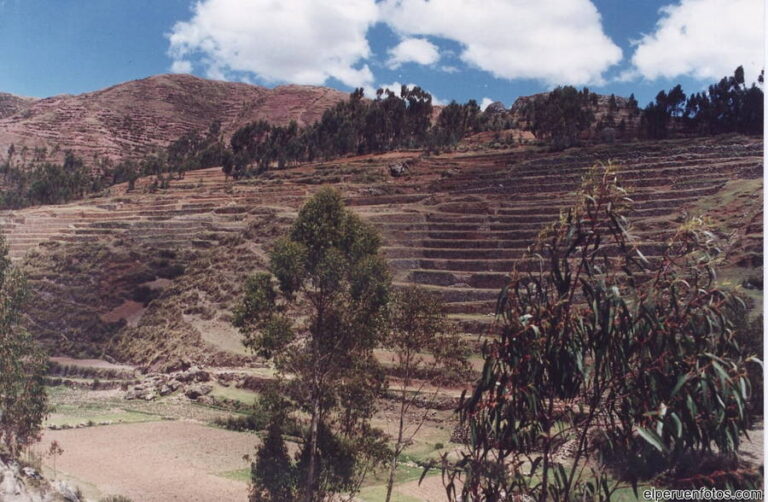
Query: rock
(31, 473)
(165, 389)
(140, 393)
(193, 374)
(10, 486)
(195, 391)
(495, 107)
(66, 491)
(398, 169)
(207, 400)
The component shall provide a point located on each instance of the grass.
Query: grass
(72, 415)
(242, 475)
(242, 395)
(379, 493)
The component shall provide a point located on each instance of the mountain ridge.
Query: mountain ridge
(132, 119)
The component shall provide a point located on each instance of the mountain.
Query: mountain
(131, 119)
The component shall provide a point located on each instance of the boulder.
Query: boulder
(195, 391)
(193, 374)
(398, 169)
(66, 491)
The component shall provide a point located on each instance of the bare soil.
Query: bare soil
(156, 461)
(91, 363)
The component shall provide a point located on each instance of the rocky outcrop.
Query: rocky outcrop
(11, 105)
(25, 484)
(190, 381)
(495, 107)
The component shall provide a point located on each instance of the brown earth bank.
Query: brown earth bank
(132, 119)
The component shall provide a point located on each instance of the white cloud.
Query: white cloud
(705, 39)
(181, 66)
(297, 41)
(557, 41)
(413, 50)
(485, 102)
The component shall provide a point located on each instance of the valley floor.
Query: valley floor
(170, 449)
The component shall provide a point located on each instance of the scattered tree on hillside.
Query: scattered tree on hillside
(329, 268)
(23, 402)
(609, 352)
(420, 340)
(456, 121)
(656, 116)
(728, 106)
(561, 115)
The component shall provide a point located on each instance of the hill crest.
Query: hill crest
(131, 119)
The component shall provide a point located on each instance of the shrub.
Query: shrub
(23, 401)
(608, 351)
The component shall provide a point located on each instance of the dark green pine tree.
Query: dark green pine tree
(273, 476)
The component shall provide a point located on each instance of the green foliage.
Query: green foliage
(273, 474)
(327, 268)
(41, 181)
(418, 329)
(454, 122)
(46, 183)
(561, 115)
(608, 350)
(656, 116)
(355, 126)
(728, 106)
(23, 401)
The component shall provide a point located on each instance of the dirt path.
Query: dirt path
(156, 461)
(91, 363)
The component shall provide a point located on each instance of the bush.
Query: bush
(115, 498)
(610, 352)
(22, 365)
(145, 294)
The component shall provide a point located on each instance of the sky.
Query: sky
(487, 50)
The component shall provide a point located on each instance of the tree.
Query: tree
(610, 351)
(728, 106)
(273, 475)
(656, 116)
(561, 115)
(419, 331)
(328, 268)
(23, 402)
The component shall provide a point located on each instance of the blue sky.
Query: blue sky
(456, 49)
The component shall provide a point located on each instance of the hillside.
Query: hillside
(151, 277)
(132, 118)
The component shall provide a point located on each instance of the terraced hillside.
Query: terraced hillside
(132, 119)
(152, 277)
